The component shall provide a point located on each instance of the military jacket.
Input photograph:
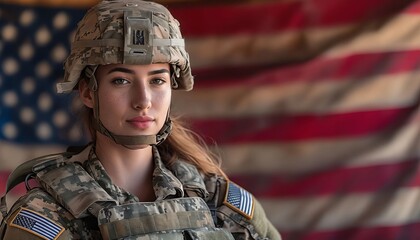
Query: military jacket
(67, 212)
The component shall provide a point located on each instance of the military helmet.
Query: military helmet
(127, 32)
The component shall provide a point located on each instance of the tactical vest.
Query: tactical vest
(179, 218)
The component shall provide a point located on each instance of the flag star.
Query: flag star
(59, 53)
(10, 99)
(43, 69)
(44, 131)
(27, 115)
(27, 17)
(10, 130)
(10, 66)
(26, 51)
(28, 85)
(61, 20)
(60, 119)
(34, 43)
(9, 32)
(43, 36)
(45, 102)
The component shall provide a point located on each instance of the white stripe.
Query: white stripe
(259, 49)
(42, 232)
(300, 97)
(376, 209)
(248, 204)
(400, 33)
(245, 199)
(243, 205)
(251, 203)
(46, 231)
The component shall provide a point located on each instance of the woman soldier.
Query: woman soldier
(144, 176)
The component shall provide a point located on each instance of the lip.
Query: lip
(141, 122)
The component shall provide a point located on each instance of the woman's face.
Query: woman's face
(133, 99)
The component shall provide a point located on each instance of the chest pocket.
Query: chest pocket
(177, 219)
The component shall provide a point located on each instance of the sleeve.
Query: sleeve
(34, 217)
(264, 227)
(242, 215)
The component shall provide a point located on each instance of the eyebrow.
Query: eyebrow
(126, 70)
(159, 71)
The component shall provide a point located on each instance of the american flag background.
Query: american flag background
(313, 104)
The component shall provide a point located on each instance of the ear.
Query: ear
(86, 95)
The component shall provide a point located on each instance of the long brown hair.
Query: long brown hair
(185, 144)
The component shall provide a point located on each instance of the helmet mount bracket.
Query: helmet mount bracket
(138, 39)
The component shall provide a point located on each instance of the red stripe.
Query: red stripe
(414, 8)
(205, 20)
(399, 232)
(280, 128)
(354, 67)
(333, 181)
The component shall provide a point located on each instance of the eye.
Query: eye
(120, 81)
(157, 81)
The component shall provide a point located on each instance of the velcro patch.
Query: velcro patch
(239, 200)
(36, 224)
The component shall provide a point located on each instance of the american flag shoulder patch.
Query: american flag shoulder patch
(37, 224)
(239, 200)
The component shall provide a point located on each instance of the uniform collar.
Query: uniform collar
(165, 183)
(190, 177)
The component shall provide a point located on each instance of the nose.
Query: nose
(141, 97)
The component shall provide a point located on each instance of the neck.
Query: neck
(130, 169)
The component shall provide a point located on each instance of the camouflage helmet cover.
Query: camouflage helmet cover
(127, 32)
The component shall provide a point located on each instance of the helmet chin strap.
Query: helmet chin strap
(136, 140)
(128, 141)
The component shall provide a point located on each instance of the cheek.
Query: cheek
(162, 104)
(168, 97)
(164, 100)
(110, 103)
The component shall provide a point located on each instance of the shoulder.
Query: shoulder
(239, 211)
(41, 210)
(36, 215)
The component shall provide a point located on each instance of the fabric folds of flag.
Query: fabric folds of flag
(314, 105)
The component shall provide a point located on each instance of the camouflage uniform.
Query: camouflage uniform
(63, 203)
